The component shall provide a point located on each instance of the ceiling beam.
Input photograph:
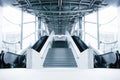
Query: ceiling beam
(54, 2)
(77, 11)
(79, 3)
(92, 3)
(28, 2)
(65, 16)
(60, 4)
(40, 3)
(67, 2)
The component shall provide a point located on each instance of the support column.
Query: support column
(98, 33)
(45, 29)
(21, 37)
(1, 34)
(80, 27)
(118, 19)
(84, 28)
(36, 28)
(39, 27)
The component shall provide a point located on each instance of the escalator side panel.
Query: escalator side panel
(80, 44)
(39, 44)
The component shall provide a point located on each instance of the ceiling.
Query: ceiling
(60, 15)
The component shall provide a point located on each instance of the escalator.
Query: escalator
(107, 60)
(60, 56)
(12, 60)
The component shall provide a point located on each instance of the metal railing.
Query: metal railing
(7, 46)
(111, 45)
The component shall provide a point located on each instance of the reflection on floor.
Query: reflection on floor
(59, 74)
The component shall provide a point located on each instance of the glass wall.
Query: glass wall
(28, 30)
(107, 29)
(12, 29)
(91, 30)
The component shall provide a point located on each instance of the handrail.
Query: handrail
(109, 42)
(10, 21)
(19, 41)
(90, 35)
(29, 35)
(102, 23)
(101, 41)
(17, 23)
(8, 47)
(30, 22)
(11, 42)
(112, 47)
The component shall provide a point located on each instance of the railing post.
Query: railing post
(98, 33)
(84, 29)
(35, 28)
(21, 37)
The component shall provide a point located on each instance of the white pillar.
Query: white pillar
(21, 37)
(118, 17)
(36, 30)
(1, 21)
(84, 28)
(98, 33)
